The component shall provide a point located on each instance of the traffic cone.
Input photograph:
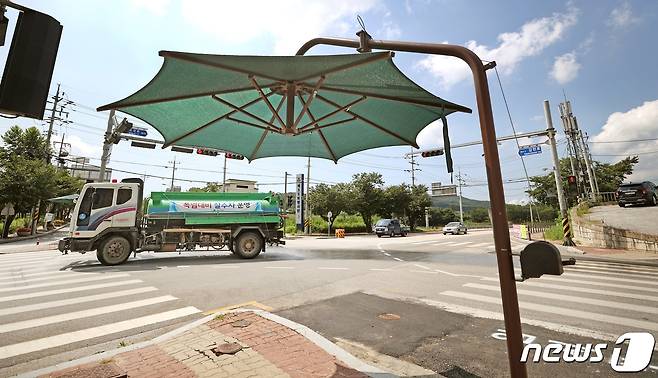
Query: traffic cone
(37, 241)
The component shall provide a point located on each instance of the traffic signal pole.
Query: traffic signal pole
(107, 147)
(224, 179)
(558, 175)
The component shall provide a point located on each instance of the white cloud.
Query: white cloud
(622, 16)
(155, 7)
(638, 123)
(389, 30)
(288, 23)
(537, 118)
(565, 68)
(81, 148)
(533, 37)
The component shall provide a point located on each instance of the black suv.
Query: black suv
(643, 193)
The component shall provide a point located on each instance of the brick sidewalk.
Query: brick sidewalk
(261, 348)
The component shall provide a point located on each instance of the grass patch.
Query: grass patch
(123, 343)
(582, 209)
(106, 361)
(220, 317)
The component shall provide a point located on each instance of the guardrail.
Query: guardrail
(605, 197)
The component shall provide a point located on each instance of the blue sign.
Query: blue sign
(137, 131)
(532, 149)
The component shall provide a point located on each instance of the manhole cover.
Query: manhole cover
(229, 348)
(389, 316)
(241, 323)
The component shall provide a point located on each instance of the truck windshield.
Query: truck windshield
(383, 222)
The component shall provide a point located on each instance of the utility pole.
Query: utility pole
(413, 168)
(51, 122)
(224, 179)
(107, 146)
(558, 175)
(308, 189)
(571, 130)
(459, 180)
(591, 161)
(173, 172)
(59, 154)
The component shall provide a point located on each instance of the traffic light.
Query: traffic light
(182, 149)
(205, 151)
(571, 180)
(230, 155)
(290, 200)
(431, 153)
(121, 128)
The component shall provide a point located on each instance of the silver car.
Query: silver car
(455, 228)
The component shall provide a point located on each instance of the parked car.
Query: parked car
(642, 193)
(390, 227)
(455, 228)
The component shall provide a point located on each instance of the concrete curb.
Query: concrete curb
(21, 238)
(309, 334)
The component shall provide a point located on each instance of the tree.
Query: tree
(479, 215)
(325, 198)
(420, 200)
(367, 196)
(396, 201)
(442, 216)
(210, 187)
(609, 177)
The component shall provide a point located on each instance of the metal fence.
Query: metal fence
(605, 197)
(537, 227)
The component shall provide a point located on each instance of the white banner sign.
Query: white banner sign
(299, 201)
(214, 206)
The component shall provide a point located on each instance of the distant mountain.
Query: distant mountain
(452, 202)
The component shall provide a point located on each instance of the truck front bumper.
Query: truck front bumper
(73, 245)
(64, 245)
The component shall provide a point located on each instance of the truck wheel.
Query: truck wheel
(248, 244)
(114, 250)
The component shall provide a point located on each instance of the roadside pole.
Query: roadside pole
(558, 175)
(461, 211)
(285, 202)
(107, 147)
(173, 174)
(307, 209)
(224, 176)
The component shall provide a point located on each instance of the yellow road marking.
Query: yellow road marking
(240, 305)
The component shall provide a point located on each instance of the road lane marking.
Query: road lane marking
(332, 268)
(381, 269)
(66, 282)
(90, 333)
(450, 243)
(457, 275)
(77, 300)
(387, 254)
(31, 269)
(479, 245)
(50, 260)
(596, 269)
(397, 259)
(462, 243)
(581, 282)
(59, 276)
(68, 290)
(182, 266)
(423, 271)
(226, 266)
(424, 242)
(570, 298)
(581, 269)
(566, 289)
(608, 278)
(562, 311)
(16, 326)
(421, 266)
(279, 267)
(18, 276)
(442, 243)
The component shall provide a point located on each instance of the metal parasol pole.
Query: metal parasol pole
(492, 163)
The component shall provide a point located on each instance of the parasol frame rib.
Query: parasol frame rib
(264, 135)
(457, 108)
(189, 58)
(167, 144)
(316, 128)
(340, 108)
(369, 122)
(375, 57)
(267, 101)
(241, 109)
(308, 103)
(243, 122)
(320, 127)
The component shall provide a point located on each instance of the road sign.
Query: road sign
(329, 215)
(8, 210)
(299, 202)
(532, 149)
(139, 131)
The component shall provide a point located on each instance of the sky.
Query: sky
(600, 54)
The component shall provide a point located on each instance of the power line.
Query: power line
(634, 153)
(627, 141)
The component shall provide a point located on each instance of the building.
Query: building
(240, 186)
(88, 172)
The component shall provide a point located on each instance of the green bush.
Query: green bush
(349, 222)
(582, 209)
(555, 231)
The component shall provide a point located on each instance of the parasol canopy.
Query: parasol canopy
(325, 106)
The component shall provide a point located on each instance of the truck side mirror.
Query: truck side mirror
(541, 257)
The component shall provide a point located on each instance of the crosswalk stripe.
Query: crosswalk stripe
(625, 322)
(570, 298)
(18, 276)
(449, 243)
(67, 290)
(20, 269)
(59, 275)
(90, 333)
(424, 242)
(43, 256)
(65, 282)
(478, 245)
(626, 273)
(16, 326)
(462, 243)
(567, 289)
(76, 300)
(28, 263)
(616, 265)
(615, 269)
(608, 278)
(442, 243)
(592, 283)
